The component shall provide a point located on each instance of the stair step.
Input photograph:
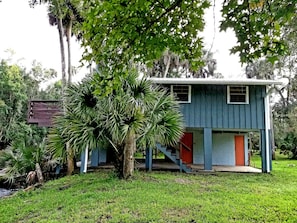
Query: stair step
(174, 157)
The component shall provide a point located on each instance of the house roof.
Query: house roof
(200, 81)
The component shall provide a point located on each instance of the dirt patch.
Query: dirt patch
(104, 218)
(182, 181)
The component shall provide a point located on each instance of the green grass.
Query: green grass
(161, 197)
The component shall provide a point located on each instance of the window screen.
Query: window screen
(238, 94)
(182, 93)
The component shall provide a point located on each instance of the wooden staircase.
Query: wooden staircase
(174, 156)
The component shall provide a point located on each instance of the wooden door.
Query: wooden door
(239, 150)
(187, 147)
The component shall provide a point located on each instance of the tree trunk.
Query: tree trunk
(70, 154)
(70, 159)
(167, 65)
(117, 160)
(68, 38)
(129, 150)
(62, 51)
(39, 173)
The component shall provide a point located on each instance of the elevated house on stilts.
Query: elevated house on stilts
(218, 115)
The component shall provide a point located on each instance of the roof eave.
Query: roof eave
(201, 81)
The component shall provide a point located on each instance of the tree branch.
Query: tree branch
(169, 9)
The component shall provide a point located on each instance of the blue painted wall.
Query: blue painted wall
(209, 109)
(198, 155)
(223, 150)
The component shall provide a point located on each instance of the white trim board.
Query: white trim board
(201, 81)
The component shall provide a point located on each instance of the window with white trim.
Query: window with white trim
(182, 93)
(237, 94)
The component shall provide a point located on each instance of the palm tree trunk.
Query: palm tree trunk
(70, 153)
(70, 159)
(39, 173)
(68, 38)
(62, 51)
(167, 65)
(129, 150)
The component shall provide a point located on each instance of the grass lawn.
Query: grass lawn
(161, 197)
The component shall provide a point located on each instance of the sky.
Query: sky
(27, 32)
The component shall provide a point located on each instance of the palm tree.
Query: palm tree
(64, 15)
(26, 153)
(135, 116)
(172, 65)
(75, 126)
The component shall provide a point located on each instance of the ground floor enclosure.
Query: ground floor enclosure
(228, 149)
(205, 147)
(216, 147)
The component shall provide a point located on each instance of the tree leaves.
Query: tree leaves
(120, 33)
(258, 27)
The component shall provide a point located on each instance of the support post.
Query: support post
(84, 160)
(149, 159)
(207, 147)
(271, 145)
(263, 147)
(95, 157)
(267, 135)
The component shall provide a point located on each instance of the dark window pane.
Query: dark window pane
(238, 94)
(181, 92)
(237, 98)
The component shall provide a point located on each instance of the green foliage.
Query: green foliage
(283, 96)
(171, 65)
(258, 27)
(286, 134)
(13, 98)
(142, 30)
(288, 145)
(137, 107)
(162, 196)
(23, 144)
(27, 149)
(117, 33)
(16, 87)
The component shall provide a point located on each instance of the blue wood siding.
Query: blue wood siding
(209, 109)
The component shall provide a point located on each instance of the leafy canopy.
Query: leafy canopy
(118, 33)
(141, 30)
(138, 108)
(258, 26)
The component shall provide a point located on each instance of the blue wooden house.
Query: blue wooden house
(218, 115)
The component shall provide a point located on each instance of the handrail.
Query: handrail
(185, 146)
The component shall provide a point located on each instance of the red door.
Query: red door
(187, 147)
(239, 150)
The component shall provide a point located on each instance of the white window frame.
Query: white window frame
(246, 95)
(189, 92)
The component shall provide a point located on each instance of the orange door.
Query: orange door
(239, 150)
(187, 147)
